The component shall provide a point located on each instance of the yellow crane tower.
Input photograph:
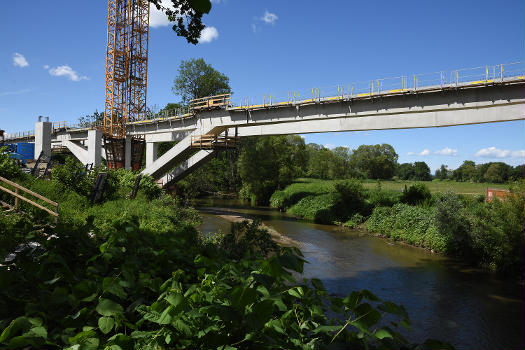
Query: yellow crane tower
(126, 78)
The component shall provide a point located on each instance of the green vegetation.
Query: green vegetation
(185, 16)
(197, 79)
(490, 234)
(136, 274)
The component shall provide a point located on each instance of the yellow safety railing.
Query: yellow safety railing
(211, 102)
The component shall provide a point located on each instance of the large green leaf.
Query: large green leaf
(16, 327)
(106, 324)
(383, 333)
(108, 307)
(165, 316)
(112, 285)
(175, 299)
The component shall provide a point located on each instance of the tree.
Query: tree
(405, 171)
(319, 164)
(497, 173)
(442, 172)
(186, 16)
(466, 172)
(90, 120)
(376, 161)
(270, 163)
(422, 171)
(197, 79)
(518, 172)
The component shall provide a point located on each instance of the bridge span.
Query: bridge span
(497, 97)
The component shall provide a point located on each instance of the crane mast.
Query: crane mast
(126, 78)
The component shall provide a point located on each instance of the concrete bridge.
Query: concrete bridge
(500, 96)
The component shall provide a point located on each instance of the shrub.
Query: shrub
(496, 234)
(73, 176)
(8, 168)
(416, 194)
(383, 198)
(316, 208)
(412, 224)
(351, 199)
(248, 239)
(451, 221)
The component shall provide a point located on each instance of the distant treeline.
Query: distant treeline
(262, 165)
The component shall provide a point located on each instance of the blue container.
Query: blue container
(26, 149)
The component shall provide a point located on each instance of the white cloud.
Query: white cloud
(410, 153)
(208, 34)
(447, 152)
(269, 17)
(157, 18)
(424, 152)
(19, 60)
(493, 152)
(66, 71)
(330, 146)
(46, 67)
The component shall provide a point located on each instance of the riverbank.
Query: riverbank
(237, 217)
(486, 234)
(445, 297)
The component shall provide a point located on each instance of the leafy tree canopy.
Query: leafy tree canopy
(421, 171)
(198, 79)
(186, 16)
(377, 161)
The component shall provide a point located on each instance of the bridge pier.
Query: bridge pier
(151, 152)
(127, 151)
(43, 138)
(94, 142)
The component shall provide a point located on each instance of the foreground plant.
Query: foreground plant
(120, 285)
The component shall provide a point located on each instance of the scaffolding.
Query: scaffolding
(126, 77)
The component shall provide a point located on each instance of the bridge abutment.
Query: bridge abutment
(43, 138)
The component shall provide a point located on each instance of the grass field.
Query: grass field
(468, 188)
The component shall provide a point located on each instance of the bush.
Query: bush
(73, 176)
(122, 281)
(451, 221)
(8, 168)
(412, 224)
(383, 198)
(248, 239)
(416, 194)
(316, 208)
(351, 199)
(496, 234)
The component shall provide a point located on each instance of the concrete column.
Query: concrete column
(151, 152)
(42, 138)
(127, 153)
(94, 143)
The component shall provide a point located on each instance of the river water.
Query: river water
(444, 299)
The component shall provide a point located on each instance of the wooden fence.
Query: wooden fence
(19, 197)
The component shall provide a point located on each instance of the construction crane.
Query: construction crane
(126, 78)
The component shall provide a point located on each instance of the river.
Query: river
(445, 299)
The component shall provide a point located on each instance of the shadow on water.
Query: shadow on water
(445, 298)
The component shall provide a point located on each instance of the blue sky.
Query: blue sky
(52, 60)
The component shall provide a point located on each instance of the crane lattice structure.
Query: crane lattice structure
(126, 78)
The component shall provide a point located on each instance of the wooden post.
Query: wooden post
(16, 198)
